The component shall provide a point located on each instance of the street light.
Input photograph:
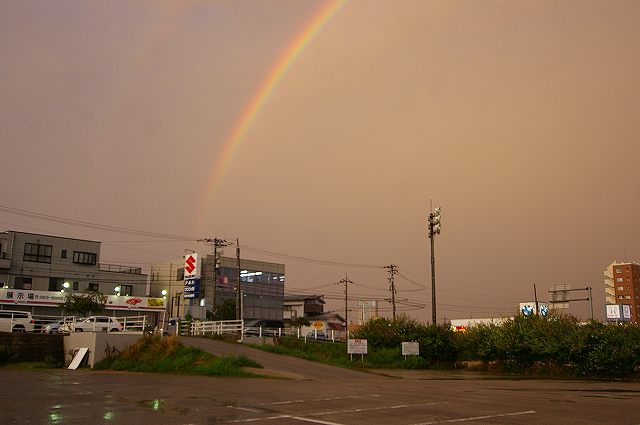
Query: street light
(434, 229)
(164, 294)
(117, 290)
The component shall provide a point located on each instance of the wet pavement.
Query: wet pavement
(312, 393)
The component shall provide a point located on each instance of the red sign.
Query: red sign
(190, 264)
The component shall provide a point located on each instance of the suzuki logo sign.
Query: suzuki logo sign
(191, 268)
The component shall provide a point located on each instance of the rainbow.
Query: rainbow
(265, 89)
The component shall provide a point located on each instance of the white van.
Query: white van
(16, 321)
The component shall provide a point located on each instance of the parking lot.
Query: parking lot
(304, 392)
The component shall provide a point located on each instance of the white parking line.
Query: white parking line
(277, 403)
(370, 409)
(272, 418)
(477, 418)
(306, 418)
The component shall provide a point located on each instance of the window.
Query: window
(75, 286)
(22, 283)
(619, 279)
(180, 274)
(94, 287)
(55, 283)
(84, 258)
(63, 253)
(126, 289)
(621, 297)
(628, 297)
(620, 288)
(618, 270)
(37, 253)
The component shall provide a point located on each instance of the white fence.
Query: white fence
(213, 328)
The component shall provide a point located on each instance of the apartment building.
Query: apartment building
(622, 287)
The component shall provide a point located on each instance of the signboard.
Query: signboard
(410, 349)
(191, 266)
(618, 312)
(356, 346)
(191, 288)
(55, 298)
(613, 312)
(529, 309)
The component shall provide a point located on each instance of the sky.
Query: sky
(320, 134)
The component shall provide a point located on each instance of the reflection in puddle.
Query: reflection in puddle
(55, 415)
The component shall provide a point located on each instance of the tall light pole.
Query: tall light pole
(434, 229)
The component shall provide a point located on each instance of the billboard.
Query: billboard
(191, 266)
(191, 288)
(618, 312)
(55, 298)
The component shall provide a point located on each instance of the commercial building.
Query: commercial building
(37, 270)
(302, 306)
(261, 286)
(622, 287)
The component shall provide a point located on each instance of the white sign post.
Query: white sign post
(410, 349)
(357, 346)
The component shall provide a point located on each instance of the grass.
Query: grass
(167, 355)
(336, 354)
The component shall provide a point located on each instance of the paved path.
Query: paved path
(276, 364)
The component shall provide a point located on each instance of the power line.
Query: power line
(89, 225)
(309, 260)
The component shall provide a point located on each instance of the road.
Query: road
(307, 393)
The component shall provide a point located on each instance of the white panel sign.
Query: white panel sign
(626, 311)
(357, 346)
(191, 266)
(410, 349)
(613, 311)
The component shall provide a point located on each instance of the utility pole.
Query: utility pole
(346, 282)
(216, 243)
(239, 295)
(393, 270)
(434, 229)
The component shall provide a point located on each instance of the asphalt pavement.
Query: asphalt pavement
(302, 392)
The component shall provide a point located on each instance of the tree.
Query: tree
(84, 304)
(226, 310)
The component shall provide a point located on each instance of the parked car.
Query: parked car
(319, 335)
(263, 327)
(93, 324)
(54, 327)
(16, 321)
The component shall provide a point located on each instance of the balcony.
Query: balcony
(119, 269)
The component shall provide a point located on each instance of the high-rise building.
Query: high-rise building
(622, 286)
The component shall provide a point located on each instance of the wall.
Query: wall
(100, 344)
(30, 347)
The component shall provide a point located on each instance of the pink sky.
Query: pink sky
(519, 118)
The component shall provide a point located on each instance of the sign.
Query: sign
(410, 349)
(356, 346)
(191, 267)
(55, 298)
(613, 312)
(626, 312)
(529, 309)
(191, 288)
